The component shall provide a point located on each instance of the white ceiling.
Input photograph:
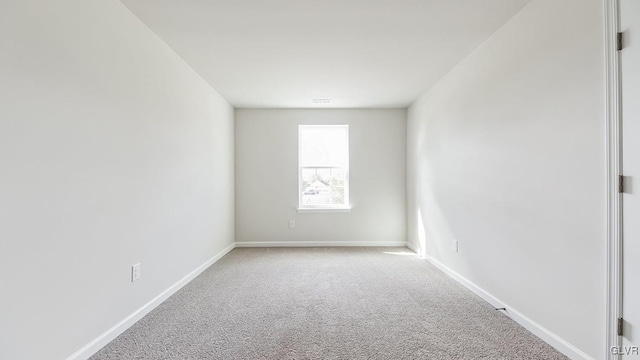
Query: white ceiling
(360, 53)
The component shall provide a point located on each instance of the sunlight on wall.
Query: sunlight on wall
(422, 237)
(400, 253)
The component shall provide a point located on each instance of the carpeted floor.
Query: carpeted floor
(325, 303)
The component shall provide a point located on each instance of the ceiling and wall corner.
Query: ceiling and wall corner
(359, 53)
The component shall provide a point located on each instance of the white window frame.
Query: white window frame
(346, 207)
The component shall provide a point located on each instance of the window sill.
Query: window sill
(325, 210)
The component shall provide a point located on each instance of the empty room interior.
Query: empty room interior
(297, 179)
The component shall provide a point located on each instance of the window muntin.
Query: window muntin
(323, 166)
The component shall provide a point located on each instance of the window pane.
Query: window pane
(324, 165)
(323, 186)
(324, 146)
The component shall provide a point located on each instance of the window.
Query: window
(323, 166)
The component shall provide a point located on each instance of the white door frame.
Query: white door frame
(613, 163)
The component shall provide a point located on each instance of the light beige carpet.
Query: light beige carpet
(325, 303)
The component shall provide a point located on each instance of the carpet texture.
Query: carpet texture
(325, 303)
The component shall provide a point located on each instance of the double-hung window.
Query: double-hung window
(323, 166)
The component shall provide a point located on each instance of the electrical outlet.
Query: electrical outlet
(455, 245)
(292, 224)
(135, 272)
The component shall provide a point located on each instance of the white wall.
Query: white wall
(506, 155)
(112, 151)
(267, 177)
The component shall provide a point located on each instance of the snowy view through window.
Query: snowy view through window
(324, 166)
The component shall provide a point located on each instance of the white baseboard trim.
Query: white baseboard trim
(543, 333)
(552, 339)
(320, 243)
(412, 247)
(99, 342)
